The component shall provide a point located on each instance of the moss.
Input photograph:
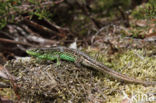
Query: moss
(81, 84)
(133, 63)
(146, 11)
(9, 10)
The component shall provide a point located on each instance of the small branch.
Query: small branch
(99, 31)
(56, 26)
(14, 42)
(39, 27)
(124, 16)
(37, 38)
(3, 85)
(3, 76)
(58, 1)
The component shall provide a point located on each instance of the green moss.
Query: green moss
(134, 64)
(12, 6)
(109, 8)
(146, 11)
(81, 84)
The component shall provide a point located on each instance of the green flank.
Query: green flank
(67, 57)
(52, 56)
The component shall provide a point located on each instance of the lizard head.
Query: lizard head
(34, 52)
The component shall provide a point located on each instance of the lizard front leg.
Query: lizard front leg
(58, 61)
(78, 61)
(51, 57)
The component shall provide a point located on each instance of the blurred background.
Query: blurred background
(45, 23)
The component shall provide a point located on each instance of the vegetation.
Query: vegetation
(119, 34)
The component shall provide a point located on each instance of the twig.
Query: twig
(37, 38)
(3, 85)
(39, 27)
(59, 1)
(99, 31)
(14, 42)
(124, 16)
(4, 76)
(56, 26)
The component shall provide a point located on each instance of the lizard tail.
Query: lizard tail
(100, 67)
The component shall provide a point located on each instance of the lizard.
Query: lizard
(80, 58)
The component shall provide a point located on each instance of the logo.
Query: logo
(139, 97)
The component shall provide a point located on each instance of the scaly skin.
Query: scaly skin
(78, 57)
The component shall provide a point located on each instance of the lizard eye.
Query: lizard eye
(39, 51)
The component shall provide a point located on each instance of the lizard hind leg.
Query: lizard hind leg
(40, 59)
(77, 62)
(57, 58)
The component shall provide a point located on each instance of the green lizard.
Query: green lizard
(78, 57)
